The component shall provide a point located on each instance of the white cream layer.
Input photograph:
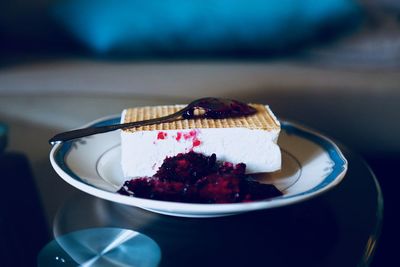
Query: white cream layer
(144, 151)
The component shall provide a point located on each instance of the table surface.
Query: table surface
(338, 228)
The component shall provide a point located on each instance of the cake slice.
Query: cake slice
(249, 139)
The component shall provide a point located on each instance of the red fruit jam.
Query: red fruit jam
(215, 108)
(195, 178)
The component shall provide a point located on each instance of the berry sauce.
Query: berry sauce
(215, 108)
(195, 178)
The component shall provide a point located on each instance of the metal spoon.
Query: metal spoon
(215, 108)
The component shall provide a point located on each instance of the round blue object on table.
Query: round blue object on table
(101, 247)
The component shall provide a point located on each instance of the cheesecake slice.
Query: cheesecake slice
(248, 139)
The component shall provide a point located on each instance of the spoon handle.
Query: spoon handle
(78, 133)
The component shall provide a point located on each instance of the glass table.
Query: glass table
(338, 228)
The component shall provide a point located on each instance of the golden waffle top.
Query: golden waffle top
(263, 119)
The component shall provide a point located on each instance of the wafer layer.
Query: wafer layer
(263, 119)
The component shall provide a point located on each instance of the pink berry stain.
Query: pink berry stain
(178, 136)
(190, 135)
(193, 136)
(196, 142)
(161, 135)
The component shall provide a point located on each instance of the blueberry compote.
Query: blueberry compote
(195, 178)
(217, 108)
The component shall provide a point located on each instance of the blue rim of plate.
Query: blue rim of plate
(339, 167)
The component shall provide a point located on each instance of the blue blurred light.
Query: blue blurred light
(146, 26)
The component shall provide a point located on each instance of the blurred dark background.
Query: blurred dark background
(332, 65)
(173, 28)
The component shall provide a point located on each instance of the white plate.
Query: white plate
(311, 164)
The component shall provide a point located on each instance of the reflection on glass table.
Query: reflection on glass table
(338, 228)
